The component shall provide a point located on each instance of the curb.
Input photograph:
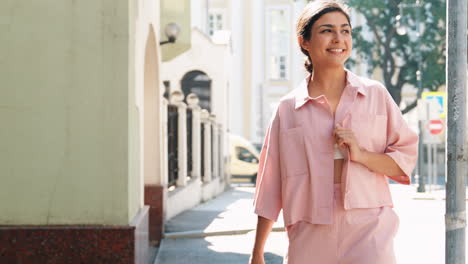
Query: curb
(428, 198)
(432, 198)
(202, 233)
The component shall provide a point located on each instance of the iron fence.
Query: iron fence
(189, 141)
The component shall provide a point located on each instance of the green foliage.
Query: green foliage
(397, 55)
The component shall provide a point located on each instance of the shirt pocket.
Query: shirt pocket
(371, 132)
(292, 152)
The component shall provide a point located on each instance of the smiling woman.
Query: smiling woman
(328, 153)
(334, 26)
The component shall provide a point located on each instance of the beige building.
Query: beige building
(86, 149)
(80, 97)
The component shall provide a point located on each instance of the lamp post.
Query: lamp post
(401, 30)
(171, 30)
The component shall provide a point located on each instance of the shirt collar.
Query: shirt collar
(352, 81)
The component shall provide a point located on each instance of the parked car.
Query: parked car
(244, 160)
(258, 146)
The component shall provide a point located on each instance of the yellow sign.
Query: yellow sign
(440, 98)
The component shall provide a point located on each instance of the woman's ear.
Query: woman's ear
(302, 42)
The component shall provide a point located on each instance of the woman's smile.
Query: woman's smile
(336, 51)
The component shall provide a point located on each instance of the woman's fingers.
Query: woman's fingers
(347, 131)
(345, 137)
(344, 134)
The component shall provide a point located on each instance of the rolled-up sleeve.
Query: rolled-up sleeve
(402, 142)
(267, 201)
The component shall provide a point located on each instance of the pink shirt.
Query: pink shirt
(296, 162)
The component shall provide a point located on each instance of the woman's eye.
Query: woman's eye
(346, 31)
(326, 30)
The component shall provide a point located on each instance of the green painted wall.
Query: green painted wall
(175, 11)
(64, 112)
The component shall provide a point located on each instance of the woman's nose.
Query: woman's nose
(338, 37)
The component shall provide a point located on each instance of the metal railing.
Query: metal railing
(192, 126)
(189, 141)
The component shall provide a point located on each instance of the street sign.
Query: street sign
(436, 127)
(428, 109)
(440, 101)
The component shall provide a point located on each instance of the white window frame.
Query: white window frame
(287, 64)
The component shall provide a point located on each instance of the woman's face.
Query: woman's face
(330, 43)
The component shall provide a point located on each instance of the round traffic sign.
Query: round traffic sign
(436, 126)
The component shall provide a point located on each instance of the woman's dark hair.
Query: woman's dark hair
(311, 13)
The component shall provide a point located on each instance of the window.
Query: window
(199, 83)
(282, 67)
(245, 155)
(211, 25)
(278, 36)
(215, 21)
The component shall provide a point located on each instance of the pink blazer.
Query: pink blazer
(296, 161)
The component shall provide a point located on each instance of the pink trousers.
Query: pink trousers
(357, 236)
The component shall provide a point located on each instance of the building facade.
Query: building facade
(88, 156)
(266, 60)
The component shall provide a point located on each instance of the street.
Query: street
(420, 238)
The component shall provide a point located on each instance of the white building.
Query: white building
(201, 67)
(266, 60)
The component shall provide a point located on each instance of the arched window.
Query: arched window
(199, 83)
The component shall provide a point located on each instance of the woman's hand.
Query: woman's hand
(256, 259)
(345, 138)
(377, 162)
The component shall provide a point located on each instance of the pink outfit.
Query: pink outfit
(358, 236)
(297, 162)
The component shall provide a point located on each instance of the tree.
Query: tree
(397, 56)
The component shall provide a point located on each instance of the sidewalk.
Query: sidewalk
(218, 231)
(432, 192)
(229, 213)
(222, 230)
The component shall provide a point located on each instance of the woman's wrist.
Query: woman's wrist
(362, 157)
(257, 252)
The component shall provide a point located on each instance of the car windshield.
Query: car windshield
(244, 154)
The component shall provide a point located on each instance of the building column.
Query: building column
(177, 99)
(227, 156)
(215, 157)
(205, 118)
(221, 151)
(156, 194)
(192, 100)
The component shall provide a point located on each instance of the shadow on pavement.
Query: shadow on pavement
(226, 250)
(199, 217)
(273, 258)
